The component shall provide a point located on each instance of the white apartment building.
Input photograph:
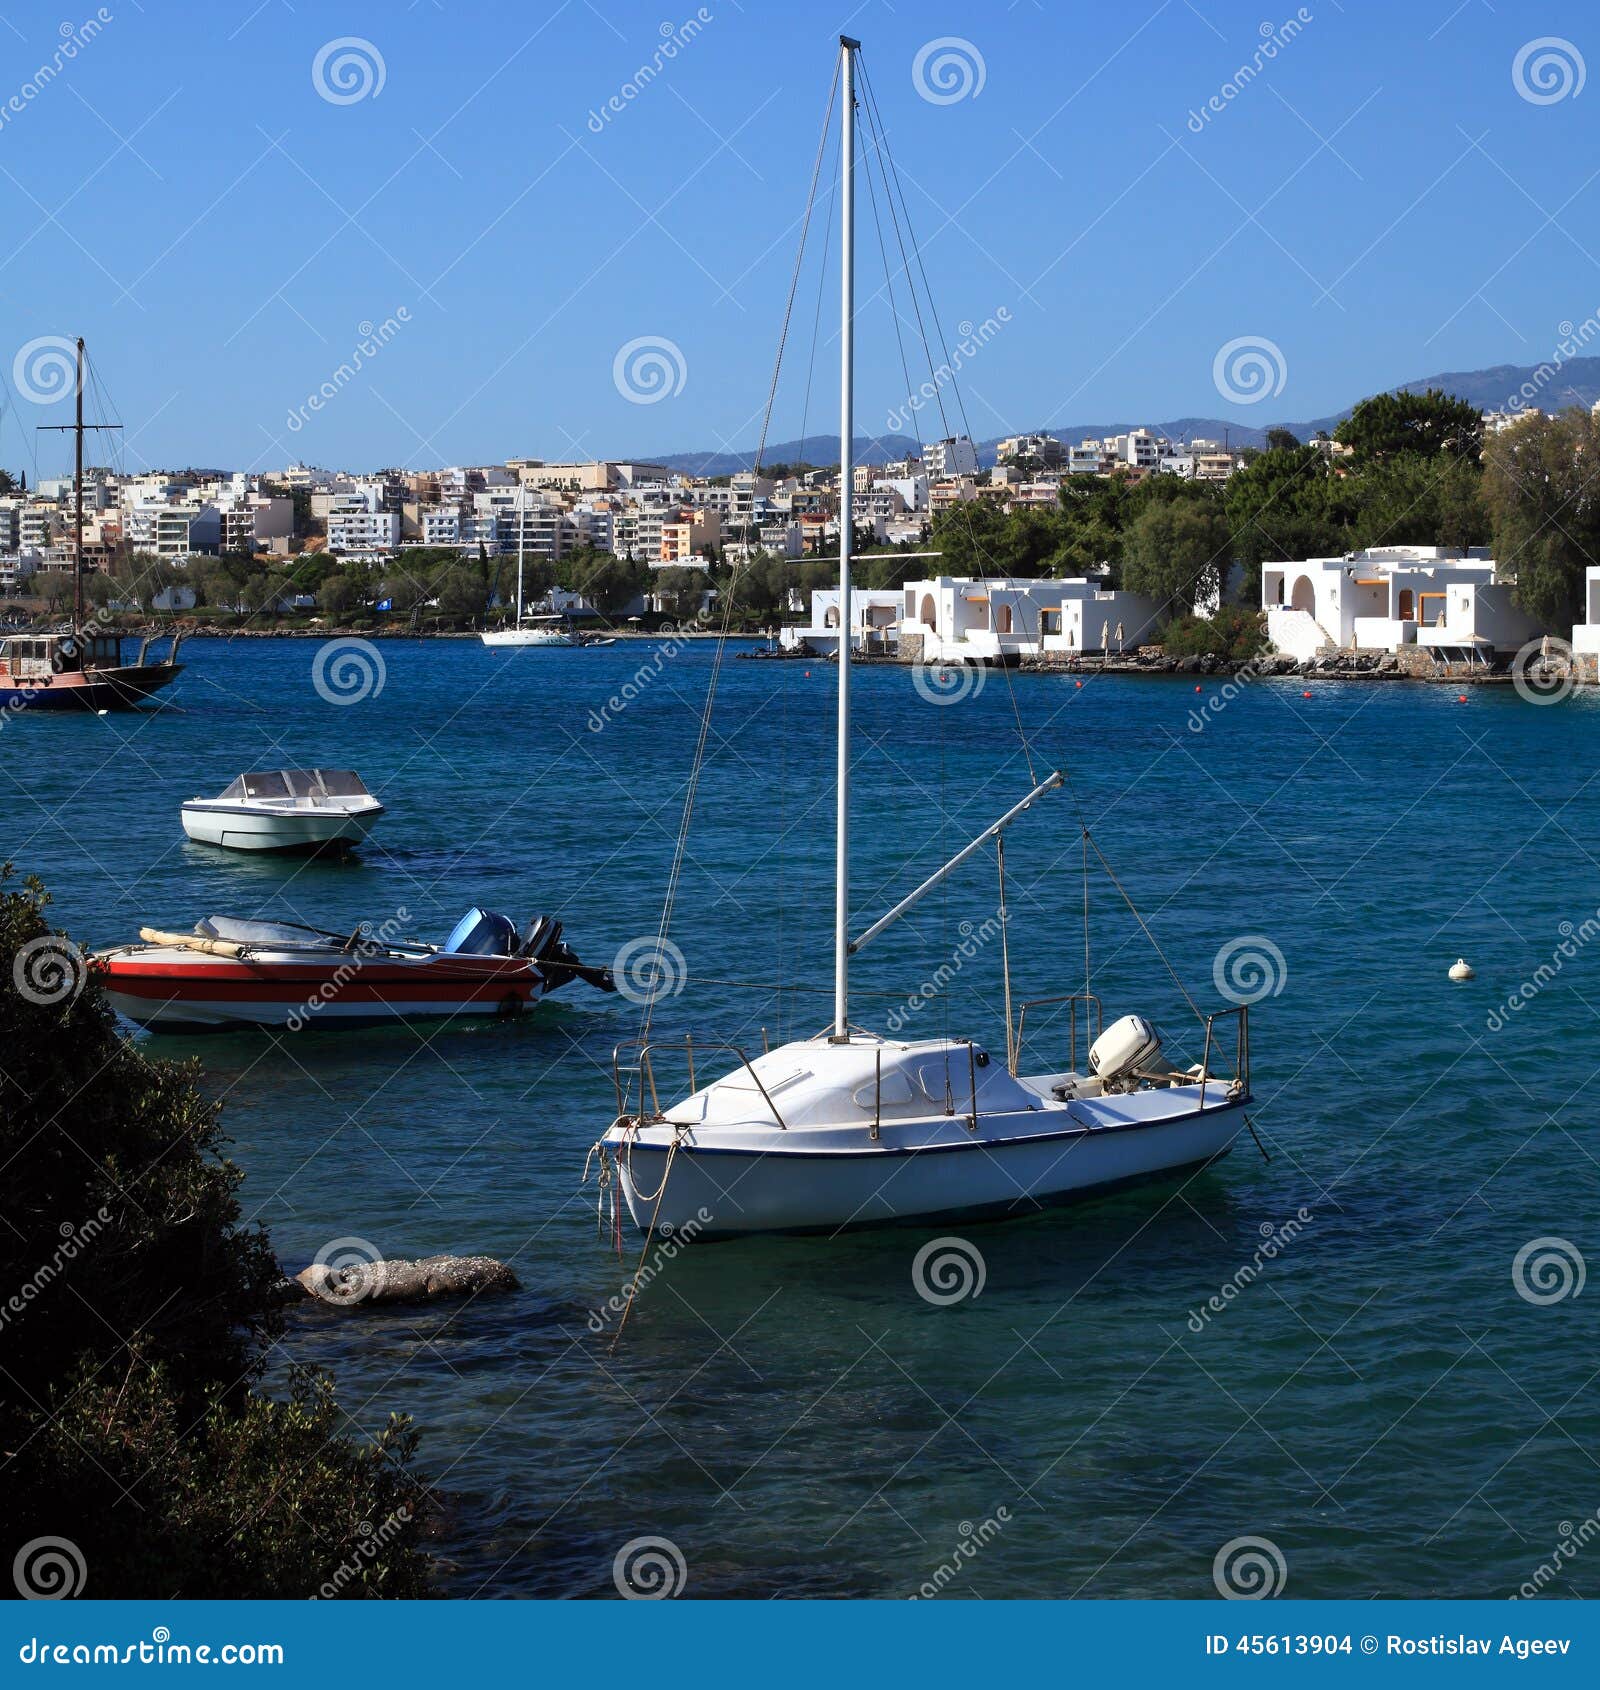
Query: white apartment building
(440, 525)
(1452, 603)
(955, 456)
(175, 529)
(950, 618)
(357, 523)
(1045, 447)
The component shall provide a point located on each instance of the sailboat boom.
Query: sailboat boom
(993, 831)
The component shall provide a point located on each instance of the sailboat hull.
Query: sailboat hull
(933, 1175)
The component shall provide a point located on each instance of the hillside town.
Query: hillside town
(1050, 553)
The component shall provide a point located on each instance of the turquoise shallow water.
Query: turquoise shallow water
(1379, 1402)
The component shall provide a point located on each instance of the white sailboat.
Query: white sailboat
(537, 630)
(854, 1128)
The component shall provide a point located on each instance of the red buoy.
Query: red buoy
(1305, 695)
(1462, 699)
(1077, 683)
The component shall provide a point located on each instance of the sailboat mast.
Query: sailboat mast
(521, 525)
(77, 508)
(847, 302)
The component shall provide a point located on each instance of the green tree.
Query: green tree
(1284, 504)
(1176, 551)
(1282, 440)
(131, 1411)
(1412, 500)
(1390, 423)
(1541, 485)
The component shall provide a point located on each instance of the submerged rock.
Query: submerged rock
(405, 1282)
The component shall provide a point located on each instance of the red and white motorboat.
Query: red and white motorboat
(231, 973)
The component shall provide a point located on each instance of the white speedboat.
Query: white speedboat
(285, 810)
(853, 1128)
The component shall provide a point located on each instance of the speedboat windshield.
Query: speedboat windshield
(298, 783)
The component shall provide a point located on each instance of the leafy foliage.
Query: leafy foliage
(138, 1312)
(1431, 423)
(1542, 488)
(1233, 634)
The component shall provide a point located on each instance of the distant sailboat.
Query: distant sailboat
(538, 630)
(83, 668)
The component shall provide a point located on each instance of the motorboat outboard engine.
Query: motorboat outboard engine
(543, 945)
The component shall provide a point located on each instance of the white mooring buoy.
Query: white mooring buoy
(1461, 969)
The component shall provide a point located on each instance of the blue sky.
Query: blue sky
(1379, 203)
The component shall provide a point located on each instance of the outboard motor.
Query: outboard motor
(543, 945)
(1124, 1051)
(483, 933)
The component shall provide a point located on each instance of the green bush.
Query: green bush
(136, 1318)
(1233, 634)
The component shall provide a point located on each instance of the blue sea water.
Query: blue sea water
(1379, 1398)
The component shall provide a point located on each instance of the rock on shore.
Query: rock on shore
(405, 1282)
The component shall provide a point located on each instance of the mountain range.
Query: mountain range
(1575, 382)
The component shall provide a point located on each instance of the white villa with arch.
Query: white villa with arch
(873, 614)
(948, 618)
(1452, 603)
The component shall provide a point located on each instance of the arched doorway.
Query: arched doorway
(1408, 605)
(1304, 596)
(1002, 619)
(831, 620)
(929, 616)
